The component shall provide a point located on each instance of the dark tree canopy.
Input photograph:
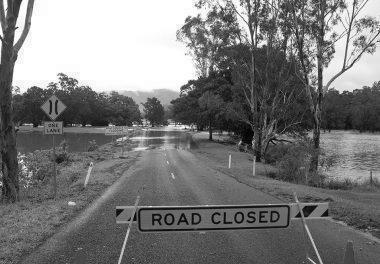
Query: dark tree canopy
(154, 111)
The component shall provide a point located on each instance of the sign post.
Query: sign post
(117, 131)
(53, 107)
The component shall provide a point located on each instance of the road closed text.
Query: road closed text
(213, 218)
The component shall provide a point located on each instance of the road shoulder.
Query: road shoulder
(357, 209)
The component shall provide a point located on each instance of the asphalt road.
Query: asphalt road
(174, 176)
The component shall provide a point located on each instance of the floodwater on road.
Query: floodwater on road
(164, 139)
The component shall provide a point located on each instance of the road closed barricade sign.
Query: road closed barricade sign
(201, 218)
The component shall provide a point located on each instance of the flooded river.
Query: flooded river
(353, 154)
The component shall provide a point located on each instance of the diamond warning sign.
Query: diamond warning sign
(195, 218)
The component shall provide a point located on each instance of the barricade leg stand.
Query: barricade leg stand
(349, 256)
(129, 229)
(308, 234)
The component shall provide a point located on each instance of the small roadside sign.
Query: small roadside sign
(201, 218)
(116, 130)
(53, 107)
(53, 128)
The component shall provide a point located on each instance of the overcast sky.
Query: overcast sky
(128, 45)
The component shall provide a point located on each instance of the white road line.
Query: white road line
(167, 162)
(173, 176)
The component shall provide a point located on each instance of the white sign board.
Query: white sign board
(53, 128)
(116, 130)
(198, 218)
(53, 107)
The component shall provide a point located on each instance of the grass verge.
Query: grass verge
(26, 224)
(358, 207)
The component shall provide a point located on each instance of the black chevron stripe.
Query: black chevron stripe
(326, 213)
(119, 211)
(307, 210)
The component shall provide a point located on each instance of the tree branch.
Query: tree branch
(28, 23)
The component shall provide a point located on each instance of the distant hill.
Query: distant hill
(164, 95)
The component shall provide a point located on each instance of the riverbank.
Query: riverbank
(26, 224)
(359, 207)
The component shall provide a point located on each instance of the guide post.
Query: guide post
(53, 107)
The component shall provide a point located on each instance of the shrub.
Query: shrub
(62, 154)
(92, 146)
(293, 165)
(35, 168)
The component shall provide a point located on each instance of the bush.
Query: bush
(62, 154)
(35, 168)
(276, 152)
(293, 165)
(92, 146)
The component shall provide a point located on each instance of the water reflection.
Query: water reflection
(164, 139)
(355, 154)
(78, 142)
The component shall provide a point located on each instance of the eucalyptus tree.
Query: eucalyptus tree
(317, 26)
(9, 53)
(205, 35)
(263, 66)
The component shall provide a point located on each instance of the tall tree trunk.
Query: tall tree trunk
(210, 129)
(8, 152)
(318, 107)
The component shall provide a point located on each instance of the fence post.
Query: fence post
(370, 178)
(229, 161)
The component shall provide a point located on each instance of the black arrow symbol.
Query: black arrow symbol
(51, 107)
(56, 107)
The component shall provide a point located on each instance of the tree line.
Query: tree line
(261, 66)
(84, 106)
(359, 109)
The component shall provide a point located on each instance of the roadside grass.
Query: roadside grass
(26, 224)
(357, 205)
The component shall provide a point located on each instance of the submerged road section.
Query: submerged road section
(168, 174)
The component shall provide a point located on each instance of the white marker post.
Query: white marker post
(88, 174)
(229, 161)
(254, 166)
